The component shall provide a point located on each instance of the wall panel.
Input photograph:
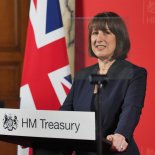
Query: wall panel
(13, 26)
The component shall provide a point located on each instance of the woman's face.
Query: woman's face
(103, 43)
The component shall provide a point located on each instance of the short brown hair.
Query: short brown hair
(117, 26)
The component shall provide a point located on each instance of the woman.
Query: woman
(124, 93)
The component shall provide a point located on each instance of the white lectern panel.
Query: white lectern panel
(48, 124)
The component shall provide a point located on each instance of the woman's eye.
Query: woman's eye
(107, 32)
(94, 32)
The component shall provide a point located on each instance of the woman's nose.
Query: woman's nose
(100, 37)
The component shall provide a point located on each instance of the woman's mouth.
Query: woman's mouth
(100, 47)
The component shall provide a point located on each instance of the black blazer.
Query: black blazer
(122, 99)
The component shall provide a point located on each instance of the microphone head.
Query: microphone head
(98, 79)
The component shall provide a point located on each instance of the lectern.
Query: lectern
(55, 130)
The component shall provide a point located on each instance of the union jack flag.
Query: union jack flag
(46, 76)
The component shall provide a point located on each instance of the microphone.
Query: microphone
(98, 79)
